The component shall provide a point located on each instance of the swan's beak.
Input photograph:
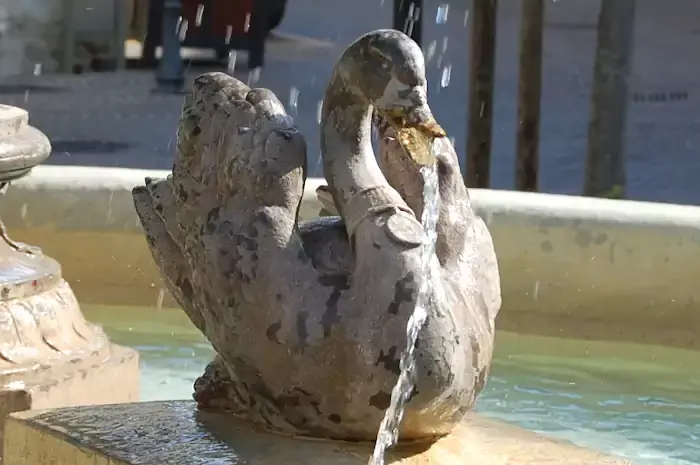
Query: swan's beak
(416, 130)
(421, 118)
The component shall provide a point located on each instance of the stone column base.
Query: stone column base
(112, 376)
(174, 433)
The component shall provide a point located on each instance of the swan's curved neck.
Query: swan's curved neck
(346, 144)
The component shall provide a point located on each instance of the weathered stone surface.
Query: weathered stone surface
(175, 433)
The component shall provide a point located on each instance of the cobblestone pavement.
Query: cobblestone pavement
(113, 119)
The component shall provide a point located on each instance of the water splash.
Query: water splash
(442, 12)
(389, 429)
(293, 99)
(182, 29)
(200, 13)
(319, 111)
(231, 62)
(246, 24)
(445, 78)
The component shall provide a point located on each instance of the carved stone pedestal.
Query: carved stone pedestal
(49, 355)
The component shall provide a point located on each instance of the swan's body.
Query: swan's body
(309, 319)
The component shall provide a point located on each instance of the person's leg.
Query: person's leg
(257, 33)
(154, 22)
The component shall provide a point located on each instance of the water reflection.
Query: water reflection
(625, 399)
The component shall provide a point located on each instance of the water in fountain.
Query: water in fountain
(389, 428)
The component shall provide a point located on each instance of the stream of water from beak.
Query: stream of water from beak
(389, 427)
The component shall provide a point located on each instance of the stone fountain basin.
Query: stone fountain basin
(571, 267)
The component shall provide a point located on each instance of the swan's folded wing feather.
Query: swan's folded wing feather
(487, 276)
(238, 154)
(325, 198)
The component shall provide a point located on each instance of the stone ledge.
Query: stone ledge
(174, 433)
(111, 376)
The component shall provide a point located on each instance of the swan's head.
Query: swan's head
(387, 68)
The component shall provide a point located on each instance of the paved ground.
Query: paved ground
(113, 119)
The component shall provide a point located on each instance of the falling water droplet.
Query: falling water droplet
(23, 211)
(200, 12)
(253, 76)
(445, 79)
(229, 33)
(246, 24)
(444, 44)
(430, 51)
(452, 141)
(466, 18)
(161, 297)
(412, 16)
(183, 31)
(442, 11)
(319, 111)
(293, 98)
(231, 64)
(37, 69)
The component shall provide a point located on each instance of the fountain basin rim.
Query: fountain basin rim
(556, 206)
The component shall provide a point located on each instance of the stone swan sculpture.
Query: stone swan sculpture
(308, 318)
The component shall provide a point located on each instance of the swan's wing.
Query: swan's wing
(237, 148)
(156, 207)
(239, 174)
(216, 101)
(485, 270)
(235, 141)
(477, 253)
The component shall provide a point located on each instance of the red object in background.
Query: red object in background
(225, 14)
